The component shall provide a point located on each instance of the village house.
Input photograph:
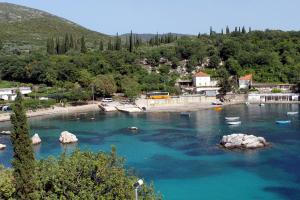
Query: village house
(201, 83)
(245, 82)
(10, 94)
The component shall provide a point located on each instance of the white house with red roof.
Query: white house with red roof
(245, 81)
(203, 84)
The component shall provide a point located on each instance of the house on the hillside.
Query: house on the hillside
(203, 84)
(10, 94)
(246, 81)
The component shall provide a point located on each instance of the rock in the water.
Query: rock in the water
(67, 137)
(2, 146)
(243, 141)
(5, 132)
(36, 139)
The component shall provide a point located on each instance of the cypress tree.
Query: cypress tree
(23, 159)
(227, 30)
(210, 31)
(118, 43)
(83, 47)
(109, 46)
(243, 30)
(67, 43)
(199, 35)
(50, 46)
(249, 30)
(222, 32)
(239, 29)
(72, 44)
(58, 49)
(130, 42)
(101, 46)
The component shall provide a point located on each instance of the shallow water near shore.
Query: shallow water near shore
(181, 155)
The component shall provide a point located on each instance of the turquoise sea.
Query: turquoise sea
(180, 155)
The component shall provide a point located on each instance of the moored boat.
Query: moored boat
(234, 123)
(133, 128)
(292, 113)
(232, 118)
(283, 121)
(261, 104)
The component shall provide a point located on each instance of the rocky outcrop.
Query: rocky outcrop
(243, 141)
(2, 146)
(67, 137)
(36, 139)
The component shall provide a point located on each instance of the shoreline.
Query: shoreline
(57, 110)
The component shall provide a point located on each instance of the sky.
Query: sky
(177, 16)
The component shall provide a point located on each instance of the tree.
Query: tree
(101, 46)
(23, 159)
(224, 82)
(130, 87)
(214, 61)
(243, 30)
(105, 85)
(131, 42)
(83, 48)
(233, 66)
(118, 43)
(50, 46)
(67, 43)
(227, 30)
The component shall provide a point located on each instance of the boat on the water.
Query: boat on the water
(261, 104)
(185, 114)
(292, 113)
(283, 122)
(133, 128)
(234, 123)
(232, 118)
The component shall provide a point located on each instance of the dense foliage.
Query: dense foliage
(272, 56)
(81, 175)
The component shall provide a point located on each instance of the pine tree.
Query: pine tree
(83, 47)
(239, 29)
(222, 32)
(50, 46)
(101, 46)
(23, 159)
(130, 42)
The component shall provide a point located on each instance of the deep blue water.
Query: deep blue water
(180, 154)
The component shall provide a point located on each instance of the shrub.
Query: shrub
(276, 90)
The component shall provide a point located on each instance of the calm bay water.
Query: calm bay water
(180, 154)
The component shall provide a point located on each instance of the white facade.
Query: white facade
(272, 97)
(10, 94)
(201, 81)
(244, 84)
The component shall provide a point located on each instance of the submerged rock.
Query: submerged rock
(36, 139)
(243, 141)
(67, 137)
(2, 146)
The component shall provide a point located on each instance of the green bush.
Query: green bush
(276, 90)
(33, 104)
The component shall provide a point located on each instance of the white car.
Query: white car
(107, 100)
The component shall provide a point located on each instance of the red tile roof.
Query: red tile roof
(201, 74)
(247, 77)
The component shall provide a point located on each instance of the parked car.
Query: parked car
(107, 100)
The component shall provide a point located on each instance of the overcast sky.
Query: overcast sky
(179, 16)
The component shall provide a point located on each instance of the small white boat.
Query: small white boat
(261, 104)
(232, 118)
(292, 113)
(133, 128)
(247, 103)
(234, 123)
(283, 122)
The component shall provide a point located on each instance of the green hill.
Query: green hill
(28, 28)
